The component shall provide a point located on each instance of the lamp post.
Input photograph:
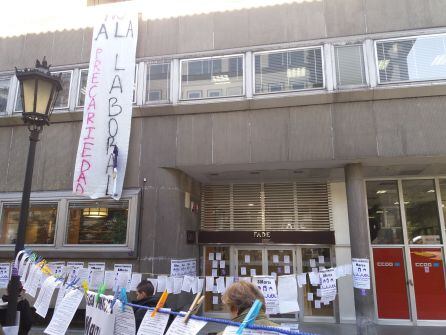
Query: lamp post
(39, 90)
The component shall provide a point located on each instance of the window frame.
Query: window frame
(78, 94)
(163, 61)
(415, 81)
(62, 199)
(7, 77)
(290, 92)
(364, 66)
(211, 58)
(69, 88)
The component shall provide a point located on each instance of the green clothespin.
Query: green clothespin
(101, 291)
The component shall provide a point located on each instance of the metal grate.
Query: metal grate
(275, 206)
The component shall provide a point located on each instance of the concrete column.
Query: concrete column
(359, 240)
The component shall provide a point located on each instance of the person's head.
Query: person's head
(144, 290)
(240, 296)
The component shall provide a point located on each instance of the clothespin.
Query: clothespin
(250, 317)
(115, 297)
(194, 307)
(47, 270)
(73, 282)
(84, 285)
(160, 303)
(101, 291)
(123, 299)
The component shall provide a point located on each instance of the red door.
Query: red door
(390, 283)
(429, 283)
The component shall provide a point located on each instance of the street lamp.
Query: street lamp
(38, 90)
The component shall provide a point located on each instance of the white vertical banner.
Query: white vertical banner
(103, 144)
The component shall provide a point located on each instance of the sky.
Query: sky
(19, 17)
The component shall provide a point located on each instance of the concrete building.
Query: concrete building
(261, 136)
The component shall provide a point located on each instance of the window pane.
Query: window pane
(158, 82)
(443, 195)
(4, 91)
(350, 66)
(419, 58)
(288, 71)
(384, 212)
(40, 226)
(62, 98)
(97, 223)
(423, 224)
(82, 87)
(18, 101)
(212, 77)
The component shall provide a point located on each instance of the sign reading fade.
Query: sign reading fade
(103, 144)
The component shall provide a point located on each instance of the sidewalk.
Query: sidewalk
(321, 329)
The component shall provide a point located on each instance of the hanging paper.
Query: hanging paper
(125, 322)
(267, 285)
(287, 293)
(361, 273)
(134, 282)
(95, 274)
(153, 325)
(183, 267)
(192, 327)
(123, 276)
(4, 274)
(328, 284)
(99, 317)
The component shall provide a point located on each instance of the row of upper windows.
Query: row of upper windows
(292, 70)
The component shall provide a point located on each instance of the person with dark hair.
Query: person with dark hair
(23, 306)
(144, 297)
(240, 297)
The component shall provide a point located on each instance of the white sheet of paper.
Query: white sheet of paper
(275, 258)
(154, 282)
(195, 285)
(317, 304)
(200, 284)
(218, 256)
(314, 270)
(214, 289)
(215, 300)
(64, 313)
(169, 284)
(60, 295)
(246, 279)
(247, 259)
(95, 274)
(214, 264)
(211, 256)
(109, 279)
(286, 259)
(214, 273)
(34, 281)
(45, 295)
(314, 278)
(72, 269)
(136, 279)
(287, 292)
(209, 284)
(161, 283)
(229, 281)
(312, 263)
(177, 284)
(4, 274)
(302, 279)
(321, 259)
(125, 322)
(192, 327)
(243, 271)
(188, 281)
(347, 269)
(153, 326)
(274, 274)
(252, 272)
(123, 275)
(221, 285)
(318, 292)
(310, 296)
(287, 269)
(222, 264)
(11, 330)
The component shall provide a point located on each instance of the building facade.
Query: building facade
(245, 124)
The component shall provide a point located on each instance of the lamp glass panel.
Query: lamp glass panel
(43, 96)
(28, 93)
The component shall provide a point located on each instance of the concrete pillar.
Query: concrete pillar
(359, 240)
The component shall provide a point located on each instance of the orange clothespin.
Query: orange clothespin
(194, 307)
(160, 303)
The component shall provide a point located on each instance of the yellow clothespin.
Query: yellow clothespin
(46, 270)
(194, 307)
(160, 303)
(85, 286)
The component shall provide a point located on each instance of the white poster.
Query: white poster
(361, 273)
(96, 272)
(99, 316)
(182, 267)
(123, 276)
(328, 284)
(125, 322)
(72, 270)
(267, 285)
(287, 292)
(153, 326)
(4, 274)
(178, 326)
(57, 268)
(104, 140)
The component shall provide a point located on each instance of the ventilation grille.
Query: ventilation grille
(278, 207)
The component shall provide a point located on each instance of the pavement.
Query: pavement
(317, 328)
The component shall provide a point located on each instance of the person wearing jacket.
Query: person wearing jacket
(144, 297)
(23, 306)
(239, 298)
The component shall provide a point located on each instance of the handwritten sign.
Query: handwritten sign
(361, 273)
(328, 284)
(123, 276)
(99, 317)
(182, 267)
(103, 144)
(267, 285)
(4, 274)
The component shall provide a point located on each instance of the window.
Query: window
(158, 82)
(64, 94)
(290, 70)
(384, 212)
(97, 222)
(83, 76)
(420, 203)
(212, 75)
(411, 59)
(4, 91)
(350, 66)
(40, 227)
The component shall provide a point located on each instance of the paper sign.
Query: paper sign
(4, 274)
(229, 281)
(287, 269)
(246, 279)
(328, 284)
(209, 284)
(192, 327)
(153, 326)
(64, 313)
(169, 284)
(57, 268)
(314, 278)
(182, 267)
(177, 284)
(100, 317)
(361, 273)
(200, 284)
(125, 322)
(321, 259)
(318, 292)
(243, 271)
(221, 284)
(195, 285)
(275, 258)
(188, 281)
(136, 279)
(60, 295)
(109, 279)
(247, 259)
(161, 283)
(95, 274)
(312, 263)
(286, 259)
(267, 285)
(211, 256)
(42, 302)
(214, 264)
(218, 256)
(215, 300)
(252, 272)
(72, 269)
(317, 304)
(214, 273)
(222, 264)
(123, 276)
(287, 293)
(310, 296)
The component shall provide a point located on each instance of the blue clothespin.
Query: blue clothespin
(73, 282)
(250, 317)
(123, 299)
(115, 297)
